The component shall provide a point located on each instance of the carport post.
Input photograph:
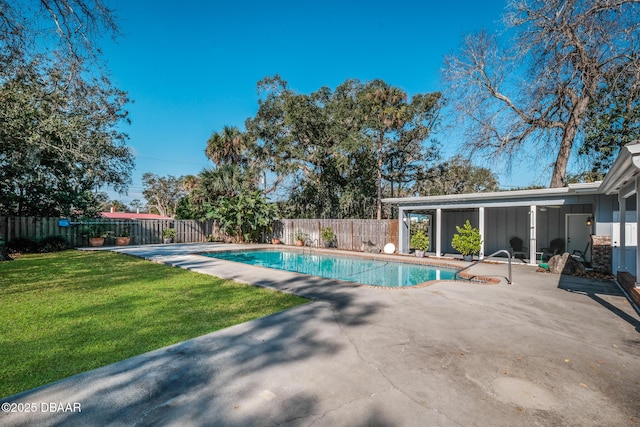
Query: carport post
(403, 235)
(438, 232)
(622, 223)
(637, 284)
(533, 233)
(481, 229)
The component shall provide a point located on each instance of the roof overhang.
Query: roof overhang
(542, 196)
(621, 176)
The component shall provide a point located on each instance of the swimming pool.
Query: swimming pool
(352, 269)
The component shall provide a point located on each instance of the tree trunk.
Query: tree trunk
(560, 167)
(568, 135)
(379, 177)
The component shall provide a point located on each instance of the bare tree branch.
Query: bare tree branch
(563, 52)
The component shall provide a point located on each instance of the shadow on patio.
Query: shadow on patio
(598, 291)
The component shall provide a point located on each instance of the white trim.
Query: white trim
(572, 189)
(622, 224)
(438, 232)
(533, 234)
(629, 190)
(637, 230)
(481, 229)
(623, 170)
(403, 237)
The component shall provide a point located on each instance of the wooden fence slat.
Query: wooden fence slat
(141, 231)
(350, 233)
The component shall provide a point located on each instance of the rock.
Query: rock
(565, 264)
(370, 247)
(556, 263)
(573, 266)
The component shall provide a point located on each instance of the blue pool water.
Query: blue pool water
(352, 269)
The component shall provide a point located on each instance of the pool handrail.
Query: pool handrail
(509, 281)
(308, 242)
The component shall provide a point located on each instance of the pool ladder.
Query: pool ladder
(307, 243)
(501, 251)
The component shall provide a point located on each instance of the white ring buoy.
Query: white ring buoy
(389, 248)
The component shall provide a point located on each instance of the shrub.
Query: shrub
(169, 233)
(420, 241)
(96, 230)
(299, 235)
(245, 216)
(327, 234)
(22, 245)
(467, 241)
(53, 244)
(27, 246)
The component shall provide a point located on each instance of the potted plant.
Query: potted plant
(467, 241)
(300, 238)
(123, 239)
(168, 234)
(328, 236)
(275, 241)
(96, 234)
(420, 243)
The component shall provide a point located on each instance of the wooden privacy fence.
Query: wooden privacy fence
(350, 233)
(142, 232)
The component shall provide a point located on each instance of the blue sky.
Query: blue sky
(192, 67)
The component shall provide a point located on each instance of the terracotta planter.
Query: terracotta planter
(96, 241)
(275, 241)
(299, 243)
(123, 241)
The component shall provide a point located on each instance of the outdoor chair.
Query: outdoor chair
(580, 255)
(516, 249)
(556, 246)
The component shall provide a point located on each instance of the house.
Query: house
(584, 217)
(130, 216)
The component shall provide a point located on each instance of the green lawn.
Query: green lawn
(68, 312)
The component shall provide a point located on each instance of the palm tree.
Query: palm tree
(230, 147)
(189, 183)
(224, 181)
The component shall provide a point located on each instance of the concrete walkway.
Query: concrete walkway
(547, 350)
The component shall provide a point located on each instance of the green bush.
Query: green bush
(169, 233)
(299, 235)
(244, 217)
(467, 241)
(53, 244)
(420, 241)
(327, 234)
(24, 245)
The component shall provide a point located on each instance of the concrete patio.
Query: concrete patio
(546, 350)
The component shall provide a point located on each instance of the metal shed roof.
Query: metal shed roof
(590, 188)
